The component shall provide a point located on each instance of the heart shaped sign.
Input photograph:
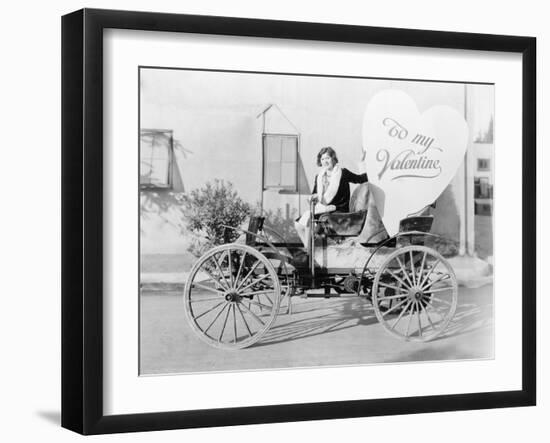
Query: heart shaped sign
(410, 157)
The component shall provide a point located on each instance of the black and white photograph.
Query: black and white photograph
(289, 220)
(272, 222)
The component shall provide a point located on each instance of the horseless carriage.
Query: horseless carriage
(235, 291)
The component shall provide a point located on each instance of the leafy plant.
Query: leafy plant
(209, 209)
(282, 223)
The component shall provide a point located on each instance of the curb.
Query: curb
(163, 282)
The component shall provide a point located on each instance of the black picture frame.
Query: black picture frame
(82, 218)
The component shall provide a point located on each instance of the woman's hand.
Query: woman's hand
(314, 198)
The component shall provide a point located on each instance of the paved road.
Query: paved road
(320, 332)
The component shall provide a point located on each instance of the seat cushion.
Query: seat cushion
(348, 224)
(422, 223)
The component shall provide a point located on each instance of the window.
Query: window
(483, 164)
(280, 153)
(482, 188)
(156, 154)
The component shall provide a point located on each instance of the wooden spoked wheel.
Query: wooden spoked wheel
(415, 293)
(232, 296)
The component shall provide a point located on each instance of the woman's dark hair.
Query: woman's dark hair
(327, 150)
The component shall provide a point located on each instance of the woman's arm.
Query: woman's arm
(355, 178)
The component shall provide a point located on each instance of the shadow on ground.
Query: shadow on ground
(469, 317)
(354, 312)
(347, 313)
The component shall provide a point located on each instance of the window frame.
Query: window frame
(285, 188)
(170, 169)
(487, 168)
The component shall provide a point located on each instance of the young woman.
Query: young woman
(331, 190)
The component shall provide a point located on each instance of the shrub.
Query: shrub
(211, 207)
(281, 223)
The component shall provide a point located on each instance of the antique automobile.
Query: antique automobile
(235, 291)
